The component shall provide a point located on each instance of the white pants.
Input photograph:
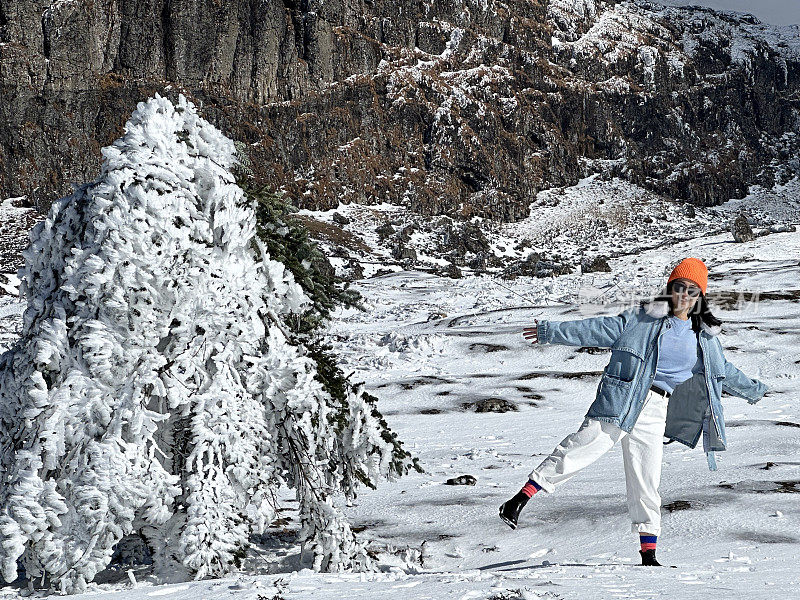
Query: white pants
(642, 450)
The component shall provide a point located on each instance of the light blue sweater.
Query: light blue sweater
(677, 354)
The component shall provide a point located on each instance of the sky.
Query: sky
(776, 12)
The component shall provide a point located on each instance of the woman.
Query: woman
(665, 378)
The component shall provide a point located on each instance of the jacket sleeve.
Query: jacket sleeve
(739, 384)
(599, 332)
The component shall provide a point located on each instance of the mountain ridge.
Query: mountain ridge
(469, 109)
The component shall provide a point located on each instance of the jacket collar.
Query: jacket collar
(658, 309)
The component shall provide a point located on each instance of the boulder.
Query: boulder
(741, 230)
(340, 219)
(462, 480)
(497, 405)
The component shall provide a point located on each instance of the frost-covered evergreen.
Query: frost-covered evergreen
(289, 241)
(156, 387)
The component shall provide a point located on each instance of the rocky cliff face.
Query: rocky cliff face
(466, 107)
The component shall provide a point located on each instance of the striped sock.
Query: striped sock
(530, 488)
(648, 542)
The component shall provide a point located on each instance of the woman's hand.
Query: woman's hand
(530, 333)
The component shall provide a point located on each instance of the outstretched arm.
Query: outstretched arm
(739, 384)
(599, 332)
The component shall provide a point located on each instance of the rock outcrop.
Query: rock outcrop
(464, 108)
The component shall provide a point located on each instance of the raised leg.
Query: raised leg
(576, 451)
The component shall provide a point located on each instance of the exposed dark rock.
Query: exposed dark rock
(424, 380)
(677, 505)
(523, 244)
(592, 350)
(404, 253)
(561, 375)
(488, 348)
(352, 271)
(741, 230)
(498, 405)
(462, 480)
(478, 264)
(332, 235)
(382, 272)
(534, 266)
(453, 271)
(8, 285)
(598, 264)
(384, 231)
(460, 239)
(764, 487)
(495, 261)
(772, 464)
(340, 219)
(340, 252)
(350, 100)
(404, 235)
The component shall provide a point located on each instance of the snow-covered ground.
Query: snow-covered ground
(596, 217)
(430, 347)
(728, 531)
(16, 219)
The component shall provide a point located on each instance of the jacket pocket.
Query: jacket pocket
(612, 399)
(624, 365)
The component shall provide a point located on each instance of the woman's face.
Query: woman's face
(682, 300)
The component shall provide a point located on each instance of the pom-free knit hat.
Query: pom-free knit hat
(692, 269)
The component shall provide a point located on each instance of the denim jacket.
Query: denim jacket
(633, 337)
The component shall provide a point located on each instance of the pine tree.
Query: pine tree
(164, 383)
(288, 241)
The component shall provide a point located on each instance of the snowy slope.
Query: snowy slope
(734, 528)
(429, 347)
(595, 217)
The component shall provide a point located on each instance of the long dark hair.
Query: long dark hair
(700, 312)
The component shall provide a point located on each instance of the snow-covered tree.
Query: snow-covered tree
(158, 387)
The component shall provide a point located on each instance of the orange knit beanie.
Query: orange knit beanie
(692, 269)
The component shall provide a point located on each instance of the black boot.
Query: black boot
(510, 509)
(649, 558)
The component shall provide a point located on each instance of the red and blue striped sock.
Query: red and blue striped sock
(530, 488)
(648, 542)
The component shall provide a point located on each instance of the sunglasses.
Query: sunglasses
(681, 287)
